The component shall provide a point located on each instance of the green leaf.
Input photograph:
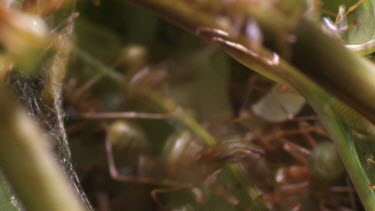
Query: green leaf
(364, 30)
(8, 201)
(278, 106)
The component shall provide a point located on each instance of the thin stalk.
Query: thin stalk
(123, 115)
(88, 59)
(52, 91)
(184, 118)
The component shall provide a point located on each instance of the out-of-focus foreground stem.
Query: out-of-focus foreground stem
(317, 55)
(29, 163)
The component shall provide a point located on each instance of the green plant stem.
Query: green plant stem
(29, 163)
(340, 72)
(183, 117)
(88, 59)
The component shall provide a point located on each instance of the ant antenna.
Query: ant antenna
(65, 23)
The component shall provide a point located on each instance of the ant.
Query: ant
(340, 25)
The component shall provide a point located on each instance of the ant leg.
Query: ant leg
(87, 85)
(280, 133)
(354, 7)
(306, 129)
(295, 187)
(114, 173)
(329, 13)
(371, 160)
(197, 192)
(351, 193)
(299, 153)
(124, 115)
(371, 186)
(65, 23)
(346, 189)
(240, 152)
(352, 199)
(341, 16)
(307, 136)
(297, 207)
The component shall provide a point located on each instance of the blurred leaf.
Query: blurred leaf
(25, 38)
(8, 200)
(278, 106)
(363, 19)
